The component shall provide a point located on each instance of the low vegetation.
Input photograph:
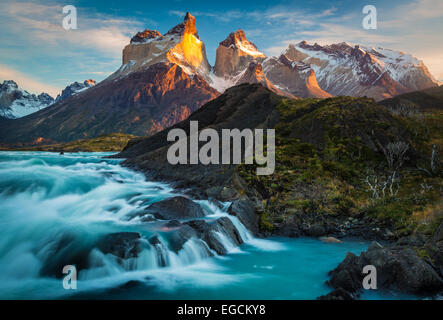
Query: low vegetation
(350, 156)
(108, 142)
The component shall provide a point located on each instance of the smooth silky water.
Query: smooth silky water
(54, 208)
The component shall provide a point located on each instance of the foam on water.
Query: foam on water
(55, 208)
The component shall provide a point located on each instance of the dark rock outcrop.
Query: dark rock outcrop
(143, 36)
(338, 294)
(225, 227)
(398, 268)
(175, 208)
(124, 245)
(180, 236)
(245, 212)
(210, 233)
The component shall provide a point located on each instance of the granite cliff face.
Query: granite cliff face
(239, 61)
(297, 78)
(181, 45)
(234, 55)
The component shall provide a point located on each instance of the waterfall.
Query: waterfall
(57, 209)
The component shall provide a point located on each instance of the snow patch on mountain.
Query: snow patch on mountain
(75, 88)
(16, 102)
(347, 69)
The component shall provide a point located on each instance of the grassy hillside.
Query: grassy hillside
(108, 142)
(333, 160)
(427, 99)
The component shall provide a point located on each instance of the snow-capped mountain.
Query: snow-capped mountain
(254, 74)
(75, 88)
(165, 78)
(296, 78)
(234, 55)
(345, 69)
(16, 102)
(238, 60)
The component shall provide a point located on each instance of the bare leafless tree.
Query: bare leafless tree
(406, 110)
(383, 186)
(395, 154)
(435, 163)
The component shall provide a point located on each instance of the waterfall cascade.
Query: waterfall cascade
(81, 210)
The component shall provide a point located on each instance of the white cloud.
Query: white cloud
(35, 35)
(43, 23)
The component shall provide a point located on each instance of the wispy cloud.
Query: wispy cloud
(26, 82)
(35, 32)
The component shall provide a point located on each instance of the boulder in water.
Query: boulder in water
(180, 236)
(226, 228)
(245, 212)
(175, 208)
(210, 233)
(330, 240)
(398, 268)
(124, 245)
(160, 249)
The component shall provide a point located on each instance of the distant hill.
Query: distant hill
(431, 98)
(104, 143)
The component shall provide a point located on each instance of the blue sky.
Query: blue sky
(41, 56)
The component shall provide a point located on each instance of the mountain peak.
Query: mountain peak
(9, 84)
(234, 55)
(188, 26)
(143, 36)
(237, 40)
(74, 88)
(234, 38)
(181, 45)
(16, 102)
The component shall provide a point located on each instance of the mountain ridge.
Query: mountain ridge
(165, 78)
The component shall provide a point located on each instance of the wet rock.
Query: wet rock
(124, 245)
(290, 230)
(398, 268)
(200, 226)
(315, 230)
(180, 236)
(337, 294)
(160, 249)
(225, 227)
(61, 250)
(209, 233)
(173, 224)
(245, 212)
(175, 208)
(330, 240)
(435, 249)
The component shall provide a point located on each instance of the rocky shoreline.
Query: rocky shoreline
(252, 106)
(411, 264)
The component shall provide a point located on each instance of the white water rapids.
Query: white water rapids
(55, 208)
